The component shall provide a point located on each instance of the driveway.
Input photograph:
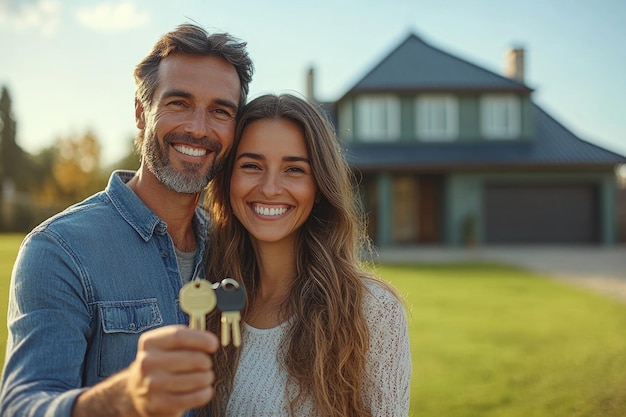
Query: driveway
(601, 269)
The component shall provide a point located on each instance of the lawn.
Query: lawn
(9, 244)
(489, 340)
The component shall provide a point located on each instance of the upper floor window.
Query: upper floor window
(500, 116)
(378, 117)
(437, 117)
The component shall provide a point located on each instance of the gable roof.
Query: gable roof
(417, 66)
(552, 146)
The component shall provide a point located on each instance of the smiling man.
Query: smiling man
(95, 328)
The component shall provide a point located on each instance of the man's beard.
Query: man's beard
(190, 180)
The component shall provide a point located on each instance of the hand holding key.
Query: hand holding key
(197, 299)
(231, 299)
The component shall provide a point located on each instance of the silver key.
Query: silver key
(231, 299)
(197, 299)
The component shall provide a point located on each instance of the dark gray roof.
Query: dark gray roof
(417, 66)
(552, 146)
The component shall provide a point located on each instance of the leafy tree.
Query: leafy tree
(73, 170)
(10, 154)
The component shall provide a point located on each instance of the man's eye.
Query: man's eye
(223, 114)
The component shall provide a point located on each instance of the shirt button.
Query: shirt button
(164, 255)
(132, 326)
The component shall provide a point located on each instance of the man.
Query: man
(95, 328)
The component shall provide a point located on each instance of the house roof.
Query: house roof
(417, 66)
(552, 145)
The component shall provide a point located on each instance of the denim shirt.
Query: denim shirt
(85, 285)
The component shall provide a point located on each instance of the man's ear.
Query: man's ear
(140, 118)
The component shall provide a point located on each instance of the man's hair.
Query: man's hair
(191, 39)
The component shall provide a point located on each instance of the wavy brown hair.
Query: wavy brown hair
(327, 344)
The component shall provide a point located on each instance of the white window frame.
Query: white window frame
(437, 117)
(500, 116)
(378, 117)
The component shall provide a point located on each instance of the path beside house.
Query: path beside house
(601, 269)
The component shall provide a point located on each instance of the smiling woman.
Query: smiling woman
(272, 187)
(322, 334)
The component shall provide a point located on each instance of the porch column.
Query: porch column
(385, 209)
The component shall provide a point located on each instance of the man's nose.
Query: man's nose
(198, 125)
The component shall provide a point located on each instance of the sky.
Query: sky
(68, 65)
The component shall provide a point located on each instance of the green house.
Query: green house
(450, 153)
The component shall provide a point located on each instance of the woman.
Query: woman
(320, 336)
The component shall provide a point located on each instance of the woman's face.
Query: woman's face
(272, 188)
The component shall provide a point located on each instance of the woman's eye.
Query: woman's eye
(250, 165)
(296, 170)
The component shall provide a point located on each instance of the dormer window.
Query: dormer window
(500, 116)
(437, 117)
(378, 118)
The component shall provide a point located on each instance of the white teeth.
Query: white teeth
(267, 211)
(187, 150)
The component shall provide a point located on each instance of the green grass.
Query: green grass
(492, 341)
(9, 244)
(489, 340)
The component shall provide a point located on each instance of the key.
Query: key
(231, 298)
(197, 299)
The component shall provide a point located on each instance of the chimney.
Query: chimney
(514, 64)
(310, 83)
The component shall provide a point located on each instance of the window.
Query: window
(437, 117)
(378, 118)
(500, 116)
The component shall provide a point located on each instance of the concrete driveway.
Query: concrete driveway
(601, 269)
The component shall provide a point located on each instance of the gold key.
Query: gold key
(231, 298)
(197, 299)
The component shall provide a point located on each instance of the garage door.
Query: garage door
(531, 213)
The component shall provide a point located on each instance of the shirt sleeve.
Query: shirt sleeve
(388, 364)
(48, 323)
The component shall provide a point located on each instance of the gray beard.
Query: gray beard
(190, 180)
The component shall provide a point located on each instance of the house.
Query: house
(449, 153)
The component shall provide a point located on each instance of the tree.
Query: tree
(73, 170)
(10, 154)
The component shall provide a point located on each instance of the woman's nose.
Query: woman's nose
(270, 184)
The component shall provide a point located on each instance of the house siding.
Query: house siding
(621, 214)
(469, 116)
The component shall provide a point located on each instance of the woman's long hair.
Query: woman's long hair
(328, 340)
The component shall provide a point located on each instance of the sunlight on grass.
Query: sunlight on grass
(9, 244)
(489, 340)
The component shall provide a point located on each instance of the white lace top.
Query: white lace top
(260, 381)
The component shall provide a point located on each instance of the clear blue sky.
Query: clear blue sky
(68, 64)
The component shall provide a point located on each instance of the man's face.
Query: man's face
(190, 125)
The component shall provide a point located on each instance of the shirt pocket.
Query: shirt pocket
(122, 322)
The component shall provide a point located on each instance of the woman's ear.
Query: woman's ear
(140, 118)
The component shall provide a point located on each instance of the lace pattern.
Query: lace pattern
(261, 378)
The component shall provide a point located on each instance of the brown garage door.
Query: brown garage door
(532, 213)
